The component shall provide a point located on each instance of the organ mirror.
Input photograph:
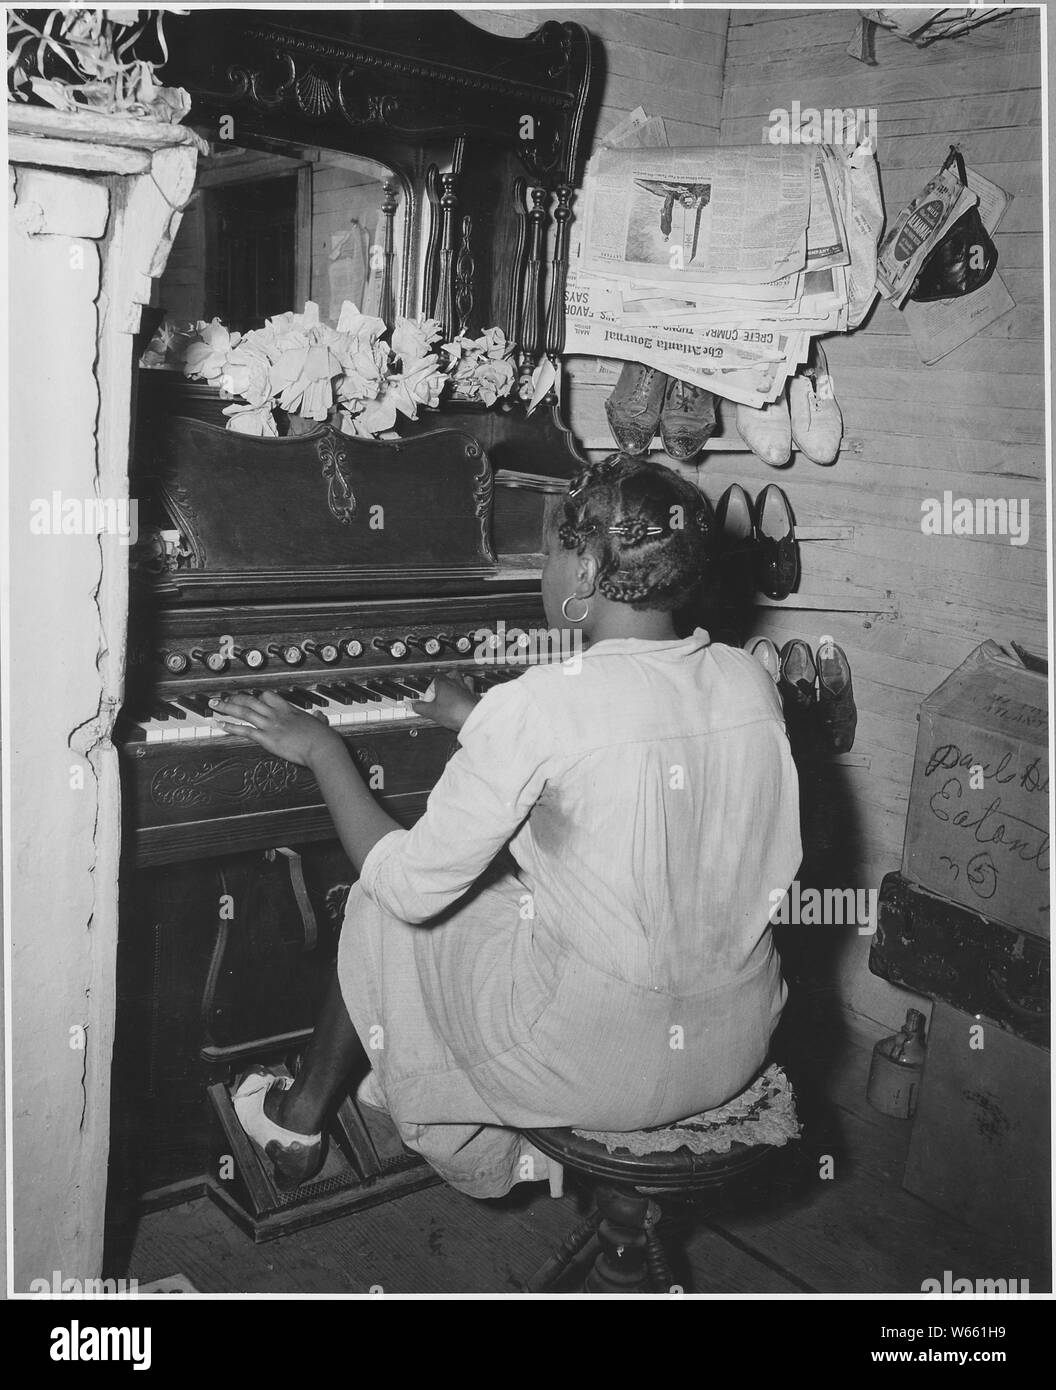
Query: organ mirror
(266, 231)
(441, 155)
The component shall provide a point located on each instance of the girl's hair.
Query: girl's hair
(651, 531)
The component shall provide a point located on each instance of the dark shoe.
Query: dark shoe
(837, 714)
(738, 552)
(687, 419)
(735, 518)
(797, 686)
(777, 566)
(634, 407)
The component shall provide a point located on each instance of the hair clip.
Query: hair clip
(593, 473)
(635, 531)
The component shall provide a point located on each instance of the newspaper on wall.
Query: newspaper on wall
(716, 266)
(724, 215)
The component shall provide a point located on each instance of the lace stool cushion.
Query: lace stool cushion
(763, 1114)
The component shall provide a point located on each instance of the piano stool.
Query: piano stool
(629, 1194)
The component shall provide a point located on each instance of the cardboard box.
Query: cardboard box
(979, 1149)
(977, 830)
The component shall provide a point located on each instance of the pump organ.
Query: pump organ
(263, 567)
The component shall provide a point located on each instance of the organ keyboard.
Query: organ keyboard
(194, 789)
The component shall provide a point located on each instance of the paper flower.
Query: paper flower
(412, 341)
(206, 358)
(348, 374)
(247, 373)
(252, 419)
(419, 387)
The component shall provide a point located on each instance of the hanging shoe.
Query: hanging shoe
(738, 552)
(798, 689)
(816, 419)
(633, 409)
(767, 431)
(767, 655)
(777, 565)
(687, 419)
(294, 1157)
(837, 713)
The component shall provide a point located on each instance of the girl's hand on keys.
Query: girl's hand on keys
(450, 705)
(289, 733)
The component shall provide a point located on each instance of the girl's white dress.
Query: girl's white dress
(626, 976)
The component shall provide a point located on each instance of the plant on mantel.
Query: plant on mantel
(92, 61)
(301, 368)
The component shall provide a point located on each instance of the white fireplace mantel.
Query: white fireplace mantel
(95, 202)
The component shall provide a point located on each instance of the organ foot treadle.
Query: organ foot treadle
(366, 1164)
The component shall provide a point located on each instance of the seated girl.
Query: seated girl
(625, 975)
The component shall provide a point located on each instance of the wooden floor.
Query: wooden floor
(857, 1232)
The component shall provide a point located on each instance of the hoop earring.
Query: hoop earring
(564, 609)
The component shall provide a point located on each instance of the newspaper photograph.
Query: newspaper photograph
(737, 214)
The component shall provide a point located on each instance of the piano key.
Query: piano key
(411, 692)
(296, 697)
(361, 693)
(420, 684)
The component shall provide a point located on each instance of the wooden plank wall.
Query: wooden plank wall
(972, 424)
(669, 61)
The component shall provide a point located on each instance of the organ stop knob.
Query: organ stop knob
(212, 661)
(325, 651)
(395, 647)
(293, 656)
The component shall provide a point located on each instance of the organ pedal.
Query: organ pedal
(366, 1164)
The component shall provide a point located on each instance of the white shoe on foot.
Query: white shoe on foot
(294, 1157)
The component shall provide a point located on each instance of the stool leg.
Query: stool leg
(620, 1266)
(563, 1256)
(660, 1276)
(557, 1178)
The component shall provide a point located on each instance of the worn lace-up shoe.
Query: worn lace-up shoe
(687, 419)
(767, 431)
(633, 409)
(837, 713)
(815, 416)
(798, 689)
(767, 655)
